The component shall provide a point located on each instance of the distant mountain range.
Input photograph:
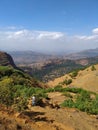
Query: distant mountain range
(46, 67)
(82, 54)
(29, 57)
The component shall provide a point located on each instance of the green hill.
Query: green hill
(16, 86)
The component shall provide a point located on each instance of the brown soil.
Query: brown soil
(48, 117)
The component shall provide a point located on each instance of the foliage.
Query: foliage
(93, 68)
(20, 103)
(16, 77)
(74, 74)
(83, 102)
(17, 87)
(67, 81)
(6, 96)
(54, 70)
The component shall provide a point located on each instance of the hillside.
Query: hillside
(49, 114)
(11, 71)
(56, 68)
(15, 83)
(87, 79)
(52, 69)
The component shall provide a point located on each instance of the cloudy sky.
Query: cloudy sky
(48, 25)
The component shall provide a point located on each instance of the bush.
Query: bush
(67, 82)
(74, 74)
(93, 68)
(58, 88)
(20, 104)
(6, 96)
(82, 101)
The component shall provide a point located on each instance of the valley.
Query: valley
(66, 101)
(45, 67)
(49, 65)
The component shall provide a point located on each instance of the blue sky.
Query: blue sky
(60, 24)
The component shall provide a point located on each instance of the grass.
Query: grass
(16, 88)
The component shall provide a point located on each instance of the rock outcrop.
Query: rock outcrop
(6, 60)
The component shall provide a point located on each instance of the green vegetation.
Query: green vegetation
(74, 74)
(93, 68)
(54, 70)
(16, 88)
(83, 101)
(10, 76)
(17, 96)
(78, 98)
(67, 82)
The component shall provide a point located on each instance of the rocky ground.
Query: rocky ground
(47, 117)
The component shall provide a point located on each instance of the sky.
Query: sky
(48, 25)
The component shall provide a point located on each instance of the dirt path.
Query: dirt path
(48, 118)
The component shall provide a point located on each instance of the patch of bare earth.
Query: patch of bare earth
(48, 117)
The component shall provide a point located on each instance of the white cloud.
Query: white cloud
(38, 35)
(18, 34)
(93, 37)
(18, 39)
(87, 38)
(50, 35)
(95, 31)
(80, 37)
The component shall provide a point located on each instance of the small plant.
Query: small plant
(93, 68)
(74, 74)
(67, 82)
(68, 103)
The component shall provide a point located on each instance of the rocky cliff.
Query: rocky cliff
(6, 60)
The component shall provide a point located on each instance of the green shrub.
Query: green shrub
(68, 103)
(20, 104)
(6, 96)
(67, 81)
(58, 88)
(93, 68)
(82, 101)
(74, 74)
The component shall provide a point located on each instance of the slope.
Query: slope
(87, 79)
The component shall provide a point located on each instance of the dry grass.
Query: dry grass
(86, 79)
